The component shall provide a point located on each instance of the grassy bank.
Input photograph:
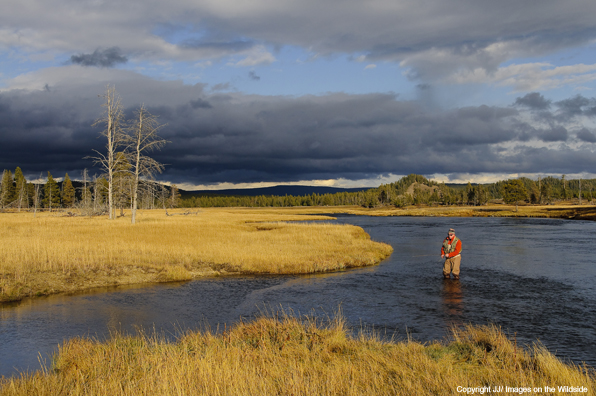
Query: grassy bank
(287, 356)
(560, 211)
(583, 212)
(52, 253)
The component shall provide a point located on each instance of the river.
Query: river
(535, 278)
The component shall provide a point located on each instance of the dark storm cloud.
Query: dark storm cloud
(109, 57)
(533, 101)
(577, 106)
(586, 136)
(555, 134)
(250, 138)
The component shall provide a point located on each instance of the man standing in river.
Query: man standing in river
(451, 252)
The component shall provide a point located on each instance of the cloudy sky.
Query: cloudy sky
(319, 92)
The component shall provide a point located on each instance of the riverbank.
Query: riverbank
(564, 211)
(560, 211)
(54, 253)
(284, 355)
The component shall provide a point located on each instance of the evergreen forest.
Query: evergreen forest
(90, 194)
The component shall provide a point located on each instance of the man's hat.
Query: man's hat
(451, 230)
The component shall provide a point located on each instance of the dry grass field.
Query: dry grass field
(559, 211)
(563, 211)
(299, 356)
(52, 253)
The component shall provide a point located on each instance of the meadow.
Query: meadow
(54, 252)
(287, 355)
(560, 211)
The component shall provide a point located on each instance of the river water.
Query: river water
(536, 278)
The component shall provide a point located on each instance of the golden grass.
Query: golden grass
(563, 211)
(50, 254)
(290, 356)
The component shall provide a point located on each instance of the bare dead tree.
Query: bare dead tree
(174, 196)
(163, 196)
(144, 138)
(85, 176)
(86, 193)
(113, 122)
(22, 194)
(36, 195)
(94, 192)
(146, 192)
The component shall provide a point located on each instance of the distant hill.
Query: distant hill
(282, 190)
(422, 187)
(297, 191)
(462, 186)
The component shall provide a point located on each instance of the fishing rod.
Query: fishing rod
(429, 255)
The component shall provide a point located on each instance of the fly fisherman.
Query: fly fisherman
(451, 252)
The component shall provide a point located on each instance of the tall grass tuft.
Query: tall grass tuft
(288, 355)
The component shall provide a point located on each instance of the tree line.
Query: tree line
(89, 195)
(418, 190)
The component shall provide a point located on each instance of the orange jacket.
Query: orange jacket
(457, 248)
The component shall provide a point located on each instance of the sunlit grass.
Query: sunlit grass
(51, 253)
(583, 212)
(297, 356)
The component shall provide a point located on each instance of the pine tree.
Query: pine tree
(30, 194)
(51, 193)
(514, 191)
(100, 192)
(68, 192)
(21, 190)
(545, 192)
(7, 195)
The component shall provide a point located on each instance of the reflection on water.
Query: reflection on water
(452, 301)
(533, 277)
